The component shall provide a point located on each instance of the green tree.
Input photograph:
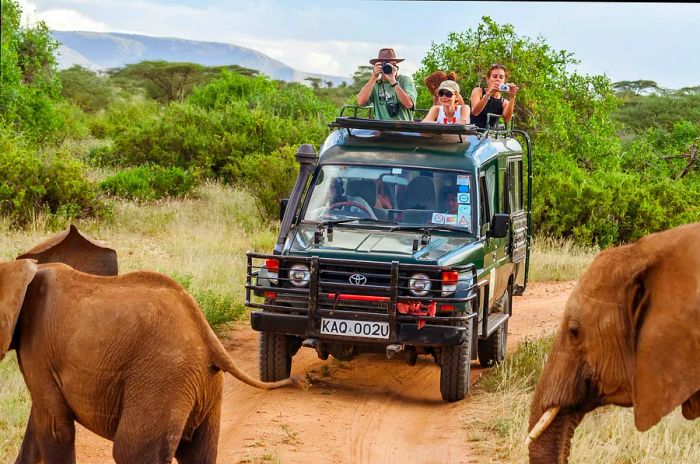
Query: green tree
(561, 109)
(86, 89)
(588, 184)
(163, 80)
(28, 82)
(314, 81)
(638, 87)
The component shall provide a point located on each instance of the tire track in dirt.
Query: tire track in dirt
(369, 410)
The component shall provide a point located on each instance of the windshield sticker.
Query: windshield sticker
(464, 216)
(451, 219)
(438, 218)
(463, 188)
(396, 170)
(464, 198)
(462, 180)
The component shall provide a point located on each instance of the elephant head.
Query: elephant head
(73, 248)
(629, 336)
(15, 277)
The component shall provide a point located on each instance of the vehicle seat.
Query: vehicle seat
(420, 194)
(362, 188)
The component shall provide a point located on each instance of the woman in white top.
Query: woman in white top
(447, 111)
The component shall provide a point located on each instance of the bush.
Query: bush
(150, 183)
(216, 128)
(609, 207)
(218, 308)
(269, 178)
(52, 182)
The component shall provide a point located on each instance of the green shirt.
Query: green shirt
(384, 95)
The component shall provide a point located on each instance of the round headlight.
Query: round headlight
(299, 275)
(419, 284)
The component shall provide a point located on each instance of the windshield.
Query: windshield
(392, 196)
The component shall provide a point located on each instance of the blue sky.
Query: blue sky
(625, 41)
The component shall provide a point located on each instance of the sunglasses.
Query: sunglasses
(445, 93)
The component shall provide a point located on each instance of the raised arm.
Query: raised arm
(479, 99)
(366, 90)
(509, 105)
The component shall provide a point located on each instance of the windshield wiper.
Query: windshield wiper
(377, 221)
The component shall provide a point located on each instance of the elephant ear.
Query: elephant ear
(15, 277)
(665, 302)
(75, 249)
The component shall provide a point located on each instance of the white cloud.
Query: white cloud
(59, 18)
(71, 20)
(29, 12)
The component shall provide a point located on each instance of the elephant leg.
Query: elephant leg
(202, 448)
(51, 436)
(148, 434)
(29, 451)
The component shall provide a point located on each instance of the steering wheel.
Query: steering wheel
(341, 204)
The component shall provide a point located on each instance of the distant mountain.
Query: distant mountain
(99, 51)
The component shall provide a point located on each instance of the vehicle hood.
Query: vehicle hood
(371, 244)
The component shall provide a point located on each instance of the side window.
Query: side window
(485, 210)
(515, 185)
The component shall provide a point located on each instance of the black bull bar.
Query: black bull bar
(330, 295)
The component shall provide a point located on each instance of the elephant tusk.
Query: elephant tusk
(542, 424)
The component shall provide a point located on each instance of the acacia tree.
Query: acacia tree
(170, 81)
(86, 89)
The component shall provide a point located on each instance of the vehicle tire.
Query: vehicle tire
(455, 364)
(275, 357)
(493, 349)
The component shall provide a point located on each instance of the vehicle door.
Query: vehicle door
(487, 206)
(518, 237)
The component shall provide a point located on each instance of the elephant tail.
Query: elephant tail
(224, 362)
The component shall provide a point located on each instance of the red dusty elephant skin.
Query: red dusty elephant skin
(629, 336)
(129, 357)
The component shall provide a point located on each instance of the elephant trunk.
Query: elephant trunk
(565, 389)
(554, 444)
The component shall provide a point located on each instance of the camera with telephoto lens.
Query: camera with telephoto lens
(387, 68)
(504, 88)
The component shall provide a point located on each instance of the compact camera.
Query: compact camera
(387, 68)
(504, 88)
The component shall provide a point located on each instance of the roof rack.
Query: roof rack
(349, 123)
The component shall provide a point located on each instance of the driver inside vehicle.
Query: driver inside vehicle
(348, 204)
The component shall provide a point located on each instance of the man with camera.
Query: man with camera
(392, 95)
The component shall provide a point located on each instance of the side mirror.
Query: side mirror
(283, 207)
(500, 223)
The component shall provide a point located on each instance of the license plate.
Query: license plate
(347, 328)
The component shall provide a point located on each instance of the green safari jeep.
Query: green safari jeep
(400, 237)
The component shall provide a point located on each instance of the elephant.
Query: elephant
(129, 357)
(629, 336)
(76, 250)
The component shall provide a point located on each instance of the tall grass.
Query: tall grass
(558, 259)
(14, 408)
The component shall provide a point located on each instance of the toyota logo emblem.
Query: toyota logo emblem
(358, 279)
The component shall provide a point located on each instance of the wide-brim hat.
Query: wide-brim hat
(386, 54)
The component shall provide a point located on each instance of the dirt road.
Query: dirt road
(369, 410)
